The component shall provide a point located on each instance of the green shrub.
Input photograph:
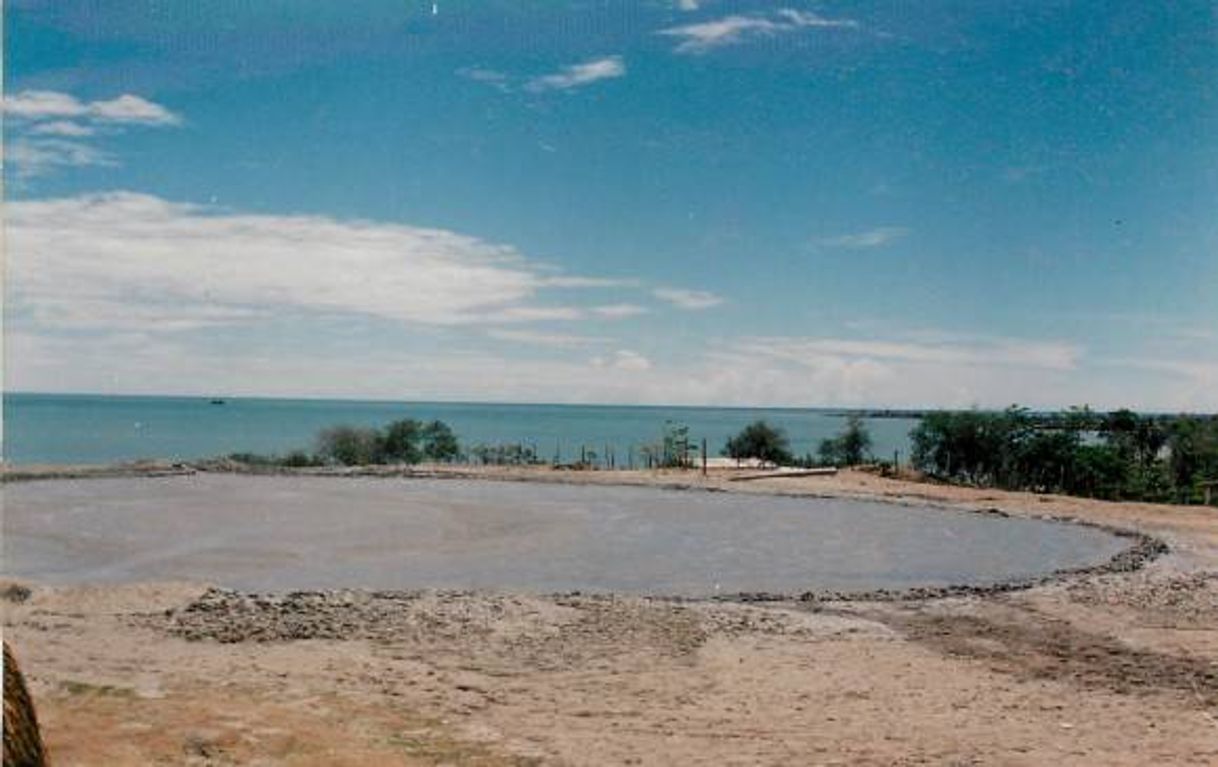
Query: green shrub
(350, 445)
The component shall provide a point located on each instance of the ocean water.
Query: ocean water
(46, 428)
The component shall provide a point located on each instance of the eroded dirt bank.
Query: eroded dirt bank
(1102, 668)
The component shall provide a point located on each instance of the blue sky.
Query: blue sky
(690, 202)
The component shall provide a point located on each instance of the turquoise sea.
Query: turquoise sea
(81, 428)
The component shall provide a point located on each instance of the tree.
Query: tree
(1193, 447)
(762, 441)
(850, 447)
(400, 442)
(439, 442)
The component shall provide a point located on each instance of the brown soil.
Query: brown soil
(1104, 669)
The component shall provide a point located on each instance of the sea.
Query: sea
(98, 429)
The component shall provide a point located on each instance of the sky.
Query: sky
(697, 202)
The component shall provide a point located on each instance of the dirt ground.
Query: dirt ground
(1103, 669)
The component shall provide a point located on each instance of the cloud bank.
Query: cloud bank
(108, 260)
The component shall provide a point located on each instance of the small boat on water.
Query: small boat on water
(218, 402)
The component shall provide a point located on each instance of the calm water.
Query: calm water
(280, 533)
(96, 429)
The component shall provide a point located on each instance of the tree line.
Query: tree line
(1120, 455)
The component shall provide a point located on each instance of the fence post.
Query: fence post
(704, 456)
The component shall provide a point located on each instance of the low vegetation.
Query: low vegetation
(405, 441)
(505, 455)
(674, 450)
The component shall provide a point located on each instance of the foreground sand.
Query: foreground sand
(1108, 669)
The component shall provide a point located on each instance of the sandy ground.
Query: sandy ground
(1114, 669)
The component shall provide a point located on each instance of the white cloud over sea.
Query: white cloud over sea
(732, 373)
(131, 293)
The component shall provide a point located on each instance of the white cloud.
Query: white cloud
(588, 282)
(873, 238)
(34, 116)
(1192, 381)
(827, 372)
(491, 77)
(62, 128)
(579, 75)
(535, 314)
(623, 359)
(37, 105)
(705, 36)
(895, 373)
(688, 299)
(84, 313)
(614, 311)
(125, 109)
(541, 338)
(117, 254)
(991, 353)
(131, 109)
(35, 157)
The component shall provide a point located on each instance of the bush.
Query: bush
(350, 445)
(761, 441)
(505, 455)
